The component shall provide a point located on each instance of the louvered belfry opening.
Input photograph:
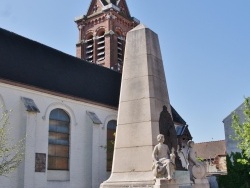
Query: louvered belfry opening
(100, 47)
(89, 48)
(120, 52)
(108, 21)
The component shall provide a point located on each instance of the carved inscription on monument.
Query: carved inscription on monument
(40, 162)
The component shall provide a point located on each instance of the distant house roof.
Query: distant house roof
(30, 63)
(207, 150)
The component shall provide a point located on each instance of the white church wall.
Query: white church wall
(30, 145)
(87, 140)
(17, 132)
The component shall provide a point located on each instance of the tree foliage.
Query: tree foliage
(11, 153)
(237, 173)
(242, 131)
(238, 164)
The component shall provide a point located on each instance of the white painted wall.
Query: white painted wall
(87, 140)
(231, 145)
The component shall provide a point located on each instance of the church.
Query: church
(67, 106)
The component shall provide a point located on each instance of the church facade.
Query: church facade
(66, 106)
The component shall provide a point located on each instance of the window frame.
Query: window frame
(54, 136)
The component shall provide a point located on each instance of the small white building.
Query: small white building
(231, 144)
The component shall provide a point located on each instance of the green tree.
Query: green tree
(11, 153)
(242, 131)
(238, 164)
(237, 173)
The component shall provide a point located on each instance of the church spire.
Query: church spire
(102, 33)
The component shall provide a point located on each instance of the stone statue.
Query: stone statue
(183, 158)
(167, 128)
(163, 160)
(196, 168)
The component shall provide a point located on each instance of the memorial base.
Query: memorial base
(181, 180)
(130, 180)
(201, 183)
(127, 185)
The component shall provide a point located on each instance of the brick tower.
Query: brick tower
(102, 33)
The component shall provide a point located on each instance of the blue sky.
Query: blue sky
(205, 48)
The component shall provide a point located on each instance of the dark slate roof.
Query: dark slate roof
(28, 62)
(31, 63)
(183, 130)
(180, 129)
(208, 150)
(176, 117)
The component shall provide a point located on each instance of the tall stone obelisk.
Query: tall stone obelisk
(143, 95)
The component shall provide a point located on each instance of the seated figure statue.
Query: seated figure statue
(196, 168)
(163, 160)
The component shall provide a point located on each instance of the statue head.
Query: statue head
(165, 109)
(190, 143)
(160, 138)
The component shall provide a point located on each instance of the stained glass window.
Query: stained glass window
(111, 129)
(59, 132)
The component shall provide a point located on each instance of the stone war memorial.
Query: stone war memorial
(146, 152)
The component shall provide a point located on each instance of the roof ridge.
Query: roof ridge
(52, 48)
(209, 141)
(49, 69)
(31, 40)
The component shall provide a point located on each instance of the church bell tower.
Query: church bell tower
(102, 33)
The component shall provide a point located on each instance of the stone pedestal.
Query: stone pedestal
(201, 183)
(181, 180)
(161, 183)
(143, 94)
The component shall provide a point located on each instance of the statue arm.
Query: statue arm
(172, 155)
(154, 154)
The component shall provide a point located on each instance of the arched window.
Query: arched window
(101, 46)
(59, 132)
(111, 129)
